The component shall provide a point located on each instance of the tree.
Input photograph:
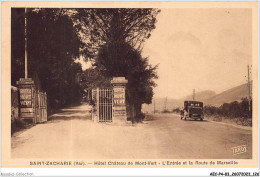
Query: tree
(53, 46)
(17, 44)
(100, 26)
(114, 39)
(136, 69)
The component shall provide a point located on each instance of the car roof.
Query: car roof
(193, 102)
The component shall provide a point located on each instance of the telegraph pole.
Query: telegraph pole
(26, 85)
(25, 44)
(249, 87)
(193, 95)
(165, 104)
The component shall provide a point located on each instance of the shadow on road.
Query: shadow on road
(149, 119)
(79, 113)
(152, 117)
(192, 120)
(58, 119)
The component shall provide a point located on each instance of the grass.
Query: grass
(236, 121)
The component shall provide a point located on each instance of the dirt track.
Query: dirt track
(72, 134)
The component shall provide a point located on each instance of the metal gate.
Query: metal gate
(41, 107)
(105, 105)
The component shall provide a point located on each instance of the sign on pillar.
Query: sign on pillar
(119, 101)
(27, 90)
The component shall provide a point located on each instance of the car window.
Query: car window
(195, 104)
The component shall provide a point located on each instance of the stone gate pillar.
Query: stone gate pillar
(119, 101)
(27, 96)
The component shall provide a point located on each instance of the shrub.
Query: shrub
(165, 111)
(17, 125)
(231, 110)
(176, 110)
(139, 117)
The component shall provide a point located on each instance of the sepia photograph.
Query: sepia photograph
(154, 84)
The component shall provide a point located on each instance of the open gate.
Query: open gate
(104, 105)
(41, 107)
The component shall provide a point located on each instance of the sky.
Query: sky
(199, 48)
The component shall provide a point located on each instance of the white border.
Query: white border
(123, 171)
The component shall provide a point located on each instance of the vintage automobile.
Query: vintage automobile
(193, 110)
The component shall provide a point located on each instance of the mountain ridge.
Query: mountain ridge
(209, 97)
(228, 96)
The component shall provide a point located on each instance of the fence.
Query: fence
(103, 108)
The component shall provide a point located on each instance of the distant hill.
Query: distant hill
(175, 103)
(208, 97)
(201, 96)
(230, 95)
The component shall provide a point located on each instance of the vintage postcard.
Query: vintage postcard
(129, 84)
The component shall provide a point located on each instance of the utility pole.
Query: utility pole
(165, 104)
(154, 106)
(249, 87)
(26, 84)
(25, 44)
(193, 95)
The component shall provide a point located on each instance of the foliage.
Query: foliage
(53, 45)
(114, 39)
(176, 110)
(100, 26)
(165, 111)
(121, 59)
(92, 78)
(232, 110)
(140, 117)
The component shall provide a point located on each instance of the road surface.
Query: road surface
(72, 134)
